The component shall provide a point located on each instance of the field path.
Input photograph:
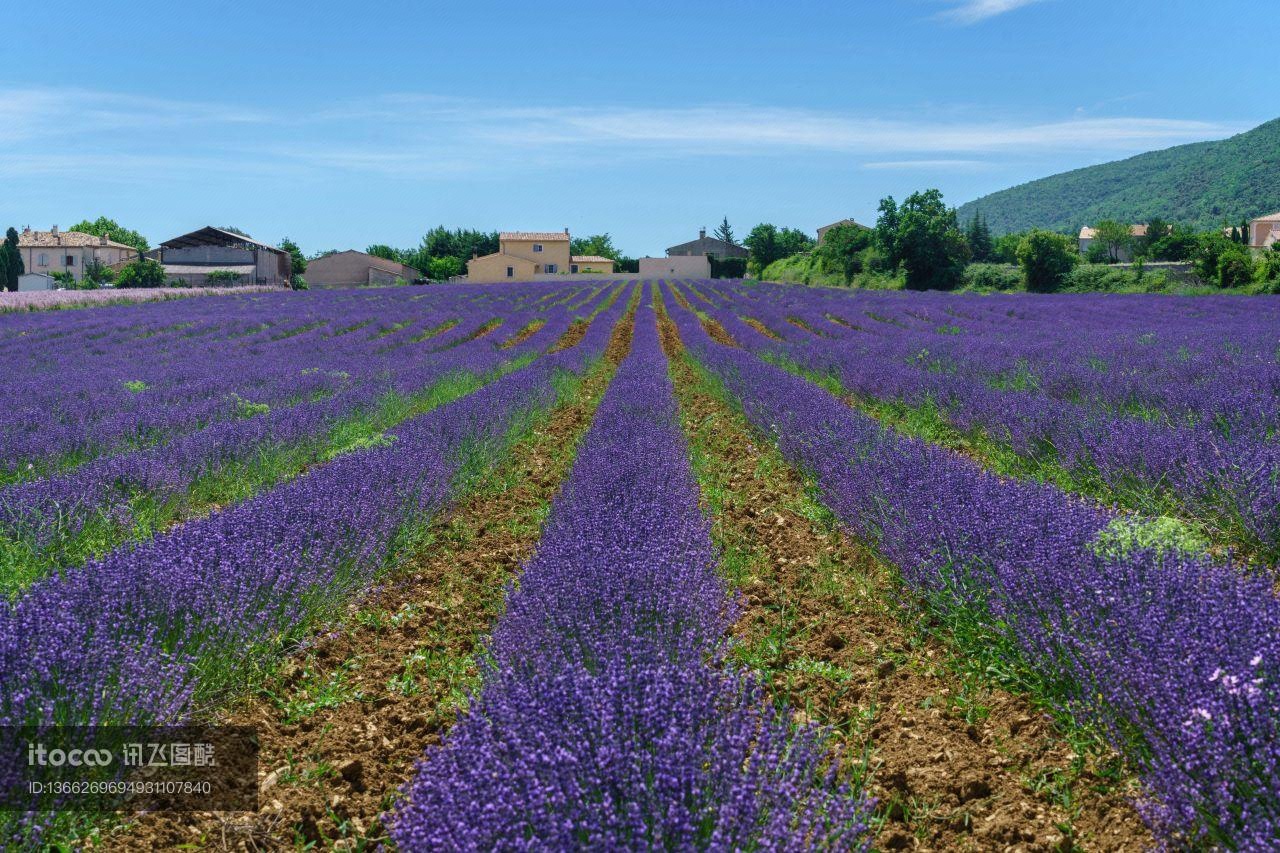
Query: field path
(342, 724)
(952, 763)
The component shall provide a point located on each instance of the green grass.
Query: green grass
(54, 544)
(979, 657)
(1220, 526)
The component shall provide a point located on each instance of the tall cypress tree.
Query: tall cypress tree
(978, 236)
(13, 260)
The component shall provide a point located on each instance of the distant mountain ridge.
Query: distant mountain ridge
(1203, 185)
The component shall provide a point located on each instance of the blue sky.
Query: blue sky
(340, 124)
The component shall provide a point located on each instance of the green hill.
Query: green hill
(1203, 185)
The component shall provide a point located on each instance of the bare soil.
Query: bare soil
(956, 765)
(343, 723)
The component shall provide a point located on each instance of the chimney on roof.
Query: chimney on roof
(566, 232)
(702, 233)
(54, 230)
(103, 239)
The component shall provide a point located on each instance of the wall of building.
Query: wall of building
(35, 281)
(494, 268)
(352, 269)
(56, 258)
(678, 266)
(553, 252)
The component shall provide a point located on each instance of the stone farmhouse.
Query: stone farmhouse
(54, 251)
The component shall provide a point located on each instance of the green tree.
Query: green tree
(1157, 230)
(978, 236)
(596, 244)
(1116, 236)
(762, 243)
(1004, 249)
(1207, 255)
(13, 266)
(843, 250)
(724, 231)
(1235, 267)
(925, 240)
(381, 250)
(298, 263)
(1046, 258)
(104, 227)
(143, 272)
(793, 241)
(444, 268)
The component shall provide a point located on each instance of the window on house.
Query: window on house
(551, 268)
(537, 247)
(43, 260)
(71, 260)
(511, 272)
(573, 268)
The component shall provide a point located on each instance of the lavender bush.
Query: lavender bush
(1176, 658)
(609, 718)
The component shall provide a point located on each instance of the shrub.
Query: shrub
(298, 283)
(1096, 277)
(1235, 267)
(1046, 258)
(992, 277)
(143, 272)
(222, 277)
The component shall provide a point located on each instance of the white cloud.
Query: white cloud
(923, 165)
(973, 11)
(426, 136)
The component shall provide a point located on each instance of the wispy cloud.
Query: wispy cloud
(69, 132)
(973, 11)
(926, 165)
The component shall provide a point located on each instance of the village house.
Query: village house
(530, 255)
(822, 232)
(1264, 232)
(191, 258)
(55, 251)
(352, 268)
(1124, 254)
(705, 245)
(590, 265)
(522, 255)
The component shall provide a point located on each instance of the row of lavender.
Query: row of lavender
(609, 717)
(1204, 360)
(86, 383)
(41, 519)
(144, 634)
(1176, 659)
(1210, 446)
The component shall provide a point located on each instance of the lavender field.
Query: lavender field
(674, 564)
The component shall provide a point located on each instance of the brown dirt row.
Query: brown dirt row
(342, 723)
(761, 328)
(957, 763)
(524, 334)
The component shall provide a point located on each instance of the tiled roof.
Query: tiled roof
(542, 236)
(591, 259)
(1272, 218)
(48, 239)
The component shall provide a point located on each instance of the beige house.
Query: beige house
(1264, 232)
(352, 268)
(590, 265)
(522, 255)
(55, 251)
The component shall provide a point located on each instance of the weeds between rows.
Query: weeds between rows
(343, 721)
(928, 724)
